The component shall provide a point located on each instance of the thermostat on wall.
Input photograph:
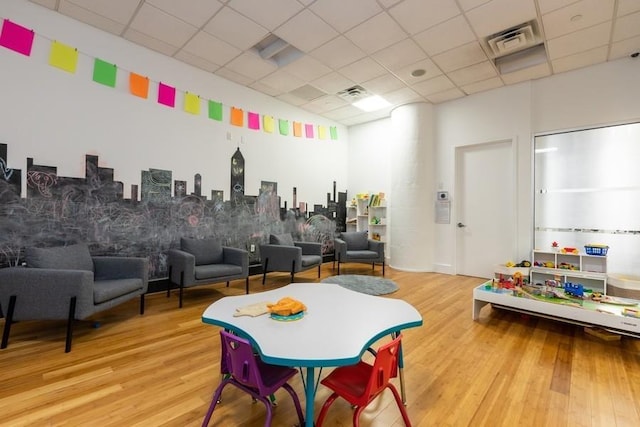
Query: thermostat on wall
(443, 195)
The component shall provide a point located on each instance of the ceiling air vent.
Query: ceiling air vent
(353, 93)
(514, 39)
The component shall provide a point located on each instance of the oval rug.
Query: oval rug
(370, 285)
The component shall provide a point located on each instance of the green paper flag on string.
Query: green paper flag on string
(283, 126)
(334, 132)
(104, 72)
(215, 110)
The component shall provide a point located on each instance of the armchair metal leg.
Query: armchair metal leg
(181, 288)
(70, 319)
(169, 282)
(293, 269)
(338, 265)
(142, 304)
(246, 285)
(383, 268)
(264, 270)
(7, 321)
(319, 265)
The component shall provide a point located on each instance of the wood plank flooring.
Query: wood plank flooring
(160, 369)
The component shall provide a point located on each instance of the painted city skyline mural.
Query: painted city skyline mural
(62, 210)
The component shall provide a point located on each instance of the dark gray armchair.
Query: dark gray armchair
(355, 246)
(283, 254)
(206, 261)
(68, 283)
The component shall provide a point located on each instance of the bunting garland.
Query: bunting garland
(21, 39)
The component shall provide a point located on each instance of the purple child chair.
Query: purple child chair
(247, 372)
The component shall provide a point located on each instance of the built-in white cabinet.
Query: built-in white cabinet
(587, 270)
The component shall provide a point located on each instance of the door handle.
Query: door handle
(461, 225)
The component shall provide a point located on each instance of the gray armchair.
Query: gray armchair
(68, 283)
(355, 246)
(206, 261)
(283, 254)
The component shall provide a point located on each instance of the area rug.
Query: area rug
(371, 285)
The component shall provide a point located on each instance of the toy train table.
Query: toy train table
(577, 306)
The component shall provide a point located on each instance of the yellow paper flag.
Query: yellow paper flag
(63, 56)
(191, 103)
(268, 123)
(322, 132)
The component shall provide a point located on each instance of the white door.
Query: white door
(485, 207)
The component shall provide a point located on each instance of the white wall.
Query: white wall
(602, 94)
(369, 146)
(57, 117)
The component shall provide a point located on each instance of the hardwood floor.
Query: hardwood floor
(160, 369)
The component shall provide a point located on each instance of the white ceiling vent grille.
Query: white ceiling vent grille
(353, 93)
(514, 39)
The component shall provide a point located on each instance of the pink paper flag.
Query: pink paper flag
(254, 120)
(16, 38)
(308, 130)
(166, 95)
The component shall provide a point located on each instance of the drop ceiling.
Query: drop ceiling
(374, 44)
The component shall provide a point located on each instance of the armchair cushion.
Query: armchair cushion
(356, 240)
(281, 239)
(73, 257)
(206, 251)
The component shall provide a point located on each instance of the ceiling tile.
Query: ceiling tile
(91, 18)
(624, 48)
(51, 4)
(482, 71)
(211, 48)
(251, 65)
(580, 60)
(446, 95)
(377, 33)
(261, 87)
(626, 27)
(483, 85)
(268, 13)
(324, 104)
(160, 25)
(547, 6)
(399, 55)
(283, 81)
(383, 84)
(333, 83)
(233, 76)
(150, 42)
(196, 61)
(307, 68)
(402, 96)
(351, 13)
(343, 112)
(306, 31)
(579, 41)
(588, 13)
(435, 85)
(471, 4)
(499, 15)
(388, 3)
(418, 15)
(338, 53)
(463, 56)
(194, 12)
(115, 10)
(236, 29)
(447, 35)
(628, 6)
(430, 68)
(291, 99)
(531, 73)
(362, 70)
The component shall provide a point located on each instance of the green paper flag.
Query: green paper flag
(104, 72)
(215, 110)
(283, 126)
(334, 132)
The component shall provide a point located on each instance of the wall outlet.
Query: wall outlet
(252, 248)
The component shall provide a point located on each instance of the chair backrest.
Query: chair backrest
(281, 239)
(384, 368)
(355, 240)
(240, 361)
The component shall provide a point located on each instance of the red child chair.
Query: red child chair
(361, 383)
(250, 374)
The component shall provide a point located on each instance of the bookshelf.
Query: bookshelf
(368, 213)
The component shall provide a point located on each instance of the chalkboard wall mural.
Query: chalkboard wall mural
(64, 210)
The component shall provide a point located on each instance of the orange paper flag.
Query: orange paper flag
(237, 116)
(139, 85)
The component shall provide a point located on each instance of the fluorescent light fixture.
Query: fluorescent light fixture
(372, 103)
(545, 150)
(526, 58)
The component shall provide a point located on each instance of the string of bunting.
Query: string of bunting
(21, 39)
